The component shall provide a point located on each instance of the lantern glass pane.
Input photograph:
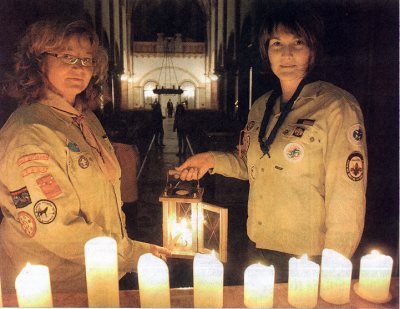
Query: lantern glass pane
(211, 228)
(184, 211)
(182, 229)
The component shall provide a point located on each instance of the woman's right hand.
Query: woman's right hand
(195, 167)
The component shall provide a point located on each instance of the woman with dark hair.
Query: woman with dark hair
(59, 176)
(303, 152)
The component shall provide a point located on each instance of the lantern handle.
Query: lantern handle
(176, 173)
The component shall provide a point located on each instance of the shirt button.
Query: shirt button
(259, 222)
(262, 169)
(312, 139)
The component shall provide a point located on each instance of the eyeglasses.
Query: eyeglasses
(69, 59)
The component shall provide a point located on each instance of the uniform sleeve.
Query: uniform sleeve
(45, 206)
(229, 165)
(346, 176)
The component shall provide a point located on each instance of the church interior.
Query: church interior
(205, 54)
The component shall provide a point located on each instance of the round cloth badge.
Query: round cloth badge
(28, 224)
(45, 211)
(355, 166)
(355, 134)
(83, 162)
(293, 152)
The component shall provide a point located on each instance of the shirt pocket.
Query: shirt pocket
(82, 167)
(309, 135)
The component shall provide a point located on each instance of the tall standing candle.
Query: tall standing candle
(208, 281)
(335, 277)
(374, 280)
(259, 286)
(303, 282)
(33, 287)
(153, 282)
(101, 261)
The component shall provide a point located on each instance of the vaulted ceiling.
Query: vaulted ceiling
(187, 17)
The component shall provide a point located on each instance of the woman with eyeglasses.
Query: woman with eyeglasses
(59, 176)
(303, 152)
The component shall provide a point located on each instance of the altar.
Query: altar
(233, 298)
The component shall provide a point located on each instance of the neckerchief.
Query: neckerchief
(104, 159)
(265, 143)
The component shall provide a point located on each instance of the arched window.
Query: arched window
(189, 94)
(149, 95)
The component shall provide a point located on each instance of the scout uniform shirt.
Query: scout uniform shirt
(55, 197)
(310, 193)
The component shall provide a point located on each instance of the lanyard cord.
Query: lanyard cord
(265, 143)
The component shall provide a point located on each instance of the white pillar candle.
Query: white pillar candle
(153, 280)
(101, 261)
(303, 282)
(259, 286)
(375, 276)
(208, 281)
(335, 277)
(33, 286)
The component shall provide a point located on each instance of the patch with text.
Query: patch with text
(32, 157)
(34, 169)
(45, 211)
(355, 166)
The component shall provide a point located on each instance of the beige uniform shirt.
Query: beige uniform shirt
(55, 198)
(310, 194)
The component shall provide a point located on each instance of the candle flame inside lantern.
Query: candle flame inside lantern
(181, 234)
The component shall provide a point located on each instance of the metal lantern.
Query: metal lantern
(189, 225)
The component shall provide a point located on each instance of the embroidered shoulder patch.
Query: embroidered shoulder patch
(49, 186)
(83, 162)
(28, 224)
(31, 157)
(45, 211)
(298, 132)
(73, 147)
(293, 152)
(34, 169)
(355, 166)
(21, 197)
(355, 134)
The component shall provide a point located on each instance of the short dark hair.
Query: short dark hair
(299, 19)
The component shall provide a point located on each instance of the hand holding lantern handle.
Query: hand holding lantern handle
(194, 167)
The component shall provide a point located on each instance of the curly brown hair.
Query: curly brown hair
(28, 83)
